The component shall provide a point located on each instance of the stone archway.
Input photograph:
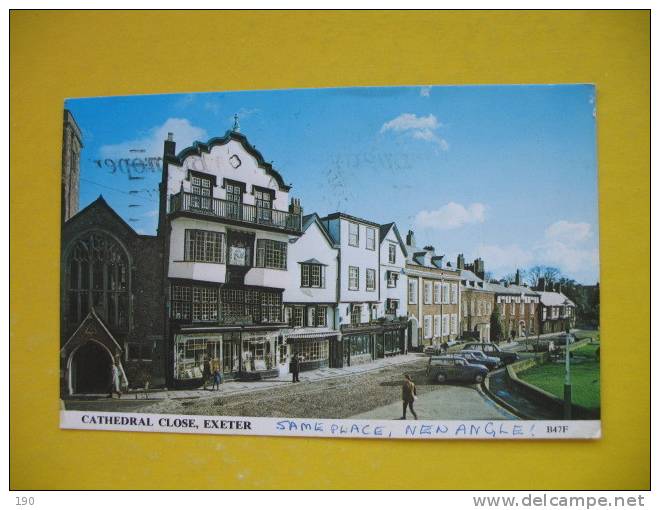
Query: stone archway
(90, 368)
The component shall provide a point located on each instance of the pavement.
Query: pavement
(445, 403)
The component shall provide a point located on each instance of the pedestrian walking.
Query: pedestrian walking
(115, 383)
(206, 371)
(217, 379)
(295, 367)
(408, 395)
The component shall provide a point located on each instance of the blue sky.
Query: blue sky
(508, 173)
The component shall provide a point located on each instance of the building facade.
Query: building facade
(433, 297)
(112, 302)
(226, 223)
(477, 302)
(557, 311)
(310, 300)
(72, 144)
(519, 308)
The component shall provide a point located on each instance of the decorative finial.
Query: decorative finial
(237, 126)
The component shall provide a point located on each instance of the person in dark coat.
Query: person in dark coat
(295, 367)
(408, 395)
(206, 371)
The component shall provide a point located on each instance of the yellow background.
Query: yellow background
(55, 55)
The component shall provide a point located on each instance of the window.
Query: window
(465, 309)
(454, 293)
(371, 279)
(437, 325)
(428, 326)
(428, 293)
(311, 316)
(391, 253)
(298, 317)
(392, 278)
(190, 353)
(313, 350)
(271, 254)
(356, 314)
(360, 344)
(454, 324)
(513, 308)
(445, 294)
(263, 199)
(392, 305)
(353, 278)
(412, 291)
(251, 306)
(97, 274)
(473, 306)
(240, 252)
(353, 234)
(201, 192)
(312, 275)
(374, 313)
(371, 238)
(205, 304)
(204, 246)
(437, 289)
(445, 324)
(322, 316)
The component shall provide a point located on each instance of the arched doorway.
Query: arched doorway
(91, 369)
(521, 328)
(413, 342)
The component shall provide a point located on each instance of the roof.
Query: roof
(384, 229)
(313, 261)
(310, 219)
(554, 299)
(197, 148)
(344, 216)
(510, 289)
(469, 276)
(102, 204)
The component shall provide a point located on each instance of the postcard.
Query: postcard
(412, 262)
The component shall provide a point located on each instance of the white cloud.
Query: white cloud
(565, 231)
(450, 216)
(504, 259)
(425, 91)
(420, 128)
(152, 143)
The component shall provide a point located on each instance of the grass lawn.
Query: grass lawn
(581, 334)
(585, 378)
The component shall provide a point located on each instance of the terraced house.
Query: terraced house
(433, 296)
(226, 223)
(477, 301)
(519, 307)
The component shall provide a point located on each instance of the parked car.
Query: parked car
(430, 350)
(480, 358)
(564, 339)
(505, 357)
(454, 368)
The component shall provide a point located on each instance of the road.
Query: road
(375, 394)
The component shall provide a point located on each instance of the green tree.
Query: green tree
(496, 333)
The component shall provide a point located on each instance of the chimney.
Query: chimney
(295, 207)
(170, 145)
(479, 268)
(460, 261)
(517, 278)
(410, 238)
(430, 248)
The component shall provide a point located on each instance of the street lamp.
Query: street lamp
(567, 376)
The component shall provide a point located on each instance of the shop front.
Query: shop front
(246, 355)
(313, 347)
(392, 340)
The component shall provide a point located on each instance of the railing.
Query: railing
(219, 208)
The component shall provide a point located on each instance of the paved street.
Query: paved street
(364, 391)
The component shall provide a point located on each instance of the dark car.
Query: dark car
(480, 358)
(492, 350)
(454, 368)
(564, 339)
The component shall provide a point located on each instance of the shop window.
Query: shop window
(360, 344)
(312, 350)
(191, 353)
(271, 254)
(258, 353)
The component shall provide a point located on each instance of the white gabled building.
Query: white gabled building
(366, 333)
(226, 223)
(310, 299)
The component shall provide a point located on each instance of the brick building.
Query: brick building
(433, 297)
(477, 301)
(557, 313)
(518, 306)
